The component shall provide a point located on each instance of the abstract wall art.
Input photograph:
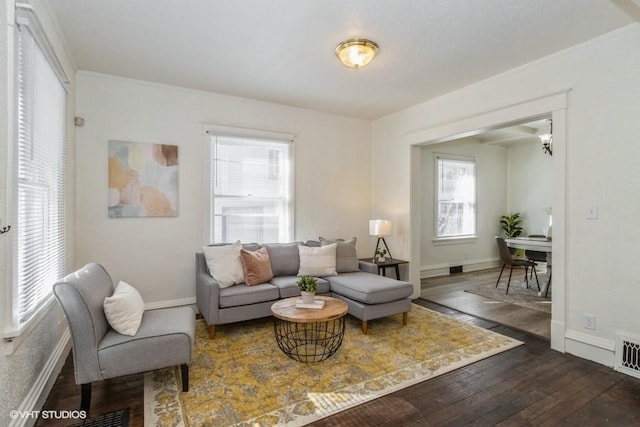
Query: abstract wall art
(143, 180)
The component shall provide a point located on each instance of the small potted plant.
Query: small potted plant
(308, 287)
(380, 254)
(511, 226)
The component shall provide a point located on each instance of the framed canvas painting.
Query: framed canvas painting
(143, 180)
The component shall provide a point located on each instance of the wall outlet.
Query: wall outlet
(589, 321)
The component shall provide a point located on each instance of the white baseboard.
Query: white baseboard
(467, 266)
(34, 401)
(588, 347)
(170, 303)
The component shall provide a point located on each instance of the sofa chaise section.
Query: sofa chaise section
(371, 296)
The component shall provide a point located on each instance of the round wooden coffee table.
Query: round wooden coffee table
(309, 334)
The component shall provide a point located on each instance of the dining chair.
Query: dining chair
(507, 259)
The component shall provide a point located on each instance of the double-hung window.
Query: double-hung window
(39, 243)
(250, 189)
(455, 197)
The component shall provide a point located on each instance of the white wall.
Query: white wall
(530, 186)
(26, 374)
(156, 255)
(602, 147)
(491, 197)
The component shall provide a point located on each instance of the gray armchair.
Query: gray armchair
(165, 337)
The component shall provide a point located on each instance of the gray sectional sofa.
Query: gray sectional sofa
(368, 295)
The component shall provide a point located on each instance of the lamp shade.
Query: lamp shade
(379, 227)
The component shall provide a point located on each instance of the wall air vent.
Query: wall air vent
(627, 356)
(456, 269)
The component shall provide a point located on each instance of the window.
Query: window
(39, 245)
(456, 197)
(251, 185)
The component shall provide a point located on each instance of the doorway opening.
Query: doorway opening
(491, 123)
(512, 176)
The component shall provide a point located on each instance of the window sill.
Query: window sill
(454, 240)
(13, 336)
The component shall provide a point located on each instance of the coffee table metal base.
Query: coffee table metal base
(309, 342)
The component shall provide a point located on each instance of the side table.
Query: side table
(382, 266)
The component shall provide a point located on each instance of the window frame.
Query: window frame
(460, 238)
(210, 132)
(15, 329)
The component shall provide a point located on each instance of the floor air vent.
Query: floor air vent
(628, 355)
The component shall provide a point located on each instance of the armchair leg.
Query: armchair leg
(212, 331)
(85, 397)
(405, 318)
(365, 327)
(184, 368)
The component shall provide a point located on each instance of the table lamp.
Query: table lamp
(380, 228)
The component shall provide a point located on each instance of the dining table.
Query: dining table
(540, 244)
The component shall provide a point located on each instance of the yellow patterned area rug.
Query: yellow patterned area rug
(243, 378)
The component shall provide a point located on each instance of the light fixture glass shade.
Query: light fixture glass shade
(379, 227)
(547, 143)
(356, 53)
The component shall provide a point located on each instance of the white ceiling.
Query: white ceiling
(283, 50)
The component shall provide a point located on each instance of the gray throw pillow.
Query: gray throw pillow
(346, 256)
(284, 258)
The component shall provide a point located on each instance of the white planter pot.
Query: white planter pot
(307, 297)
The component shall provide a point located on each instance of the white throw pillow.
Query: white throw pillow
(225, 264)
(318, 261)
(124, 309)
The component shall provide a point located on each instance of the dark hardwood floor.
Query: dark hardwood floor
(529, 385)
(449, 291)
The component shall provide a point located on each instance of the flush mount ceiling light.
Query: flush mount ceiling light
(356, 53)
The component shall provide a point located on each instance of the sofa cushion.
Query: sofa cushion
(288, 286)
(256, 266)
(165, 338)
(346, 256)
(244, 295)
(284, 258)
(369, 288)
(224, 263)
(318, 261)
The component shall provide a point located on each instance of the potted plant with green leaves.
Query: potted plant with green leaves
(380, 255)
(308, 286)
(511, 226)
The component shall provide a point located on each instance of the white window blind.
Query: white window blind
(40, 245)
(456, 197)
(251, 185)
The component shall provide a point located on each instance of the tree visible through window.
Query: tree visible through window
(456, 197)
(251, 184)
